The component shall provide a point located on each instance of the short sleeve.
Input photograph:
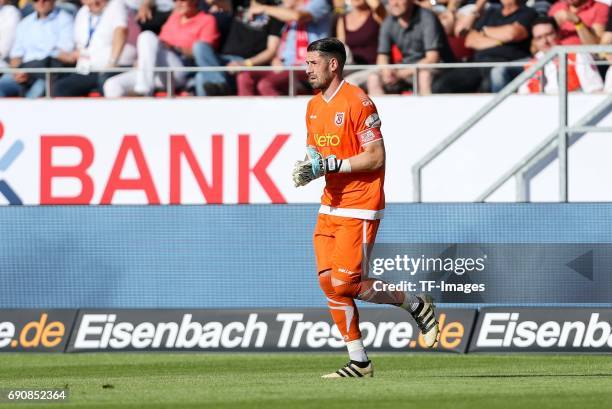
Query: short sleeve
(65, 41)
(118, 13)
(601, 15)
(525, 17)
(209, 32)
(433, 36)
(318, 9)
(555, 8)
(483, 20)
(365, 120)
(384, 37)
(275, 27)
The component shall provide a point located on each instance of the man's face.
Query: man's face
(509, 3)
(96, 6)
(399, 7)
(184, 6)
(544, 37)
(318, 70)
(44, 7)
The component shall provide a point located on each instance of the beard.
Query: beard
(320, 83)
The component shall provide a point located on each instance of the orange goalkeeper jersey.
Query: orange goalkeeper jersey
(342, 126)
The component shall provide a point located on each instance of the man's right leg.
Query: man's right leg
(205, 56)
(9, 87)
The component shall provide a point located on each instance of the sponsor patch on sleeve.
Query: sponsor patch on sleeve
(373, 121)
(369, 135)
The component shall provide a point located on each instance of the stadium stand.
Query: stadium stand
(245, 36)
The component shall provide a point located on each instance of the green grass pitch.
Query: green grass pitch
(191, 380)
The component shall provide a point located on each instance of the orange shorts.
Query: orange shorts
(340, 244)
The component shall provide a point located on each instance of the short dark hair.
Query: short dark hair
(544, 19)
(330, 47)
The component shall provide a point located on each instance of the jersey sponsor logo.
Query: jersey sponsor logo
(366, 102)
(339, 119)
(373, 121)
(326, 139)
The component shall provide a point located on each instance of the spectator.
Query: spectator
(419, 35)
(582, 74)
(500, 34)
(43, 40)
(252, 40)
(100, 33)
(359, 30)
(580, 21)
(606, 39)
(9, 18)
(174, 48)
(69, 6)
(305, 21)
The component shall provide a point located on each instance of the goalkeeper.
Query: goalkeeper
(345, 145)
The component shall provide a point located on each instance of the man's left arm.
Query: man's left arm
(65, 42)
(516, 31)
(314, 10)
(371, 159)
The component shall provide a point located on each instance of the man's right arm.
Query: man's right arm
(479, 41)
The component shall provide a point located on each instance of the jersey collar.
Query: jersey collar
(334, 94)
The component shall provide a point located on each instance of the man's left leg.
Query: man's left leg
(349, 277)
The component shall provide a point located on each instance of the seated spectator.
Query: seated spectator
(9, 18)
(174, 48)
(419, 35)
(606, 39)
(582, 74)
(580, 21)
(43, 40)
(500, 34)
(252, 40)
(69, 6)
(305, 21)
(100, 33)
(358, 30)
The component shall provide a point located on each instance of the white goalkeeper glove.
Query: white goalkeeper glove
(316, 166)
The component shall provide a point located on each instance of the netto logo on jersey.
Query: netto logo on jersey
(326, 139)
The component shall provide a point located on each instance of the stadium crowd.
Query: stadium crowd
(140, 35)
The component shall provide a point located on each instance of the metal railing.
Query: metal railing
(560, 135)
(168, 71)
